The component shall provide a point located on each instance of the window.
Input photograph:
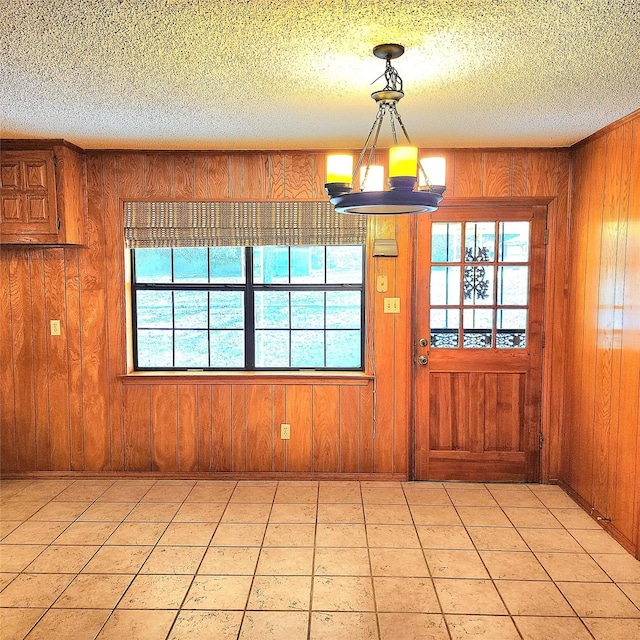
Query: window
(248, 308)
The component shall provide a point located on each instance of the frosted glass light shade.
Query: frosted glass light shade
(403, 162)
(339, 168)
(375, 178)
(436, 170)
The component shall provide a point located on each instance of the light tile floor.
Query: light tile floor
(178, 560)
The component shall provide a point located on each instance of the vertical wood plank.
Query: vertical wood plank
(603, 427)
(384, 342)
(95, 355)
(238, 428)
(541, 173)
(22, 324)
(201, 176)
(40, 359)
(349, 436)
(366, 429)
(326, 428)
(236, 176)
(459, 394)
(58, 365)
(556, 286)
(519, 180)
(299, 416)
(131, 169)
(405, 340)
(496, 181)
(159, 176)
(279, 445)
(491, 401)
(439, 427)
(509, 412)
(476, 403)
(590, 314)
(259, 412)
(299, 176)
(205, 428)
(164, 428)
(73, 317)
(277, 176)
(115, 301)
(222, 424)
(574, 336)
(188, 439)
(183, 176)
(256, 176)
(8, 452)
(319, 175)
(218, 177)
(137, 428)
(129, 184)
(468, 174)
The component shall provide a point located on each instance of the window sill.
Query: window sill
(356, 378)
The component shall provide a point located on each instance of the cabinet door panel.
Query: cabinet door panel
(10, 174)
(11, 208)
(35, 174)
(37, 209)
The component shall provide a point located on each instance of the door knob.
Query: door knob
(423, 360)
(423, 342)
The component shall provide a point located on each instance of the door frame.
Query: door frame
(483, 204)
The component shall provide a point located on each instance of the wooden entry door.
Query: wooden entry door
(480, 290)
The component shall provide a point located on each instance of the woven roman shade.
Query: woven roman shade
(244, 224)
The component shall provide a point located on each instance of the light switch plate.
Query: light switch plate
(392, 305)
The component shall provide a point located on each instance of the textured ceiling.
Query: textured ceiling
(269, 74)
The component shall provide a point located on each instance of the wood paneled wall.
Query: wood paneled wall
(601, 437)
(67, 404)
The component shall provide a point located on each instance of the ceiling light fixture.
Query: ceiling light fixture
(403, 161)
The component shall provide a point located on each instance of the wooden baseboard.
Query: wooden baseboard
(78, 475)
(609, 527)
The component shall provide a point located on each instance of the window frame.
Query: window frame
(249, 288)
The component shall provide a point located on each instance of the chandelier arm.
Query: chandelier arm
(372, 148)
(399, 119)
(392, 121)
(377, 125)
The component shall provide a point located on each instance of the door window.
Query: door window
(479, 284)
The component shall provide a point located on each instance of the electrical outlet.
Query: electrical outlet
(392, 305)
(382, 284)
(55, 327)
(285, 431)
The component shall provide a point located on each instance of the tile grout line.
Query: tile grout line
(372, 581)
(433, 585)
(313, 563)
(195, 573)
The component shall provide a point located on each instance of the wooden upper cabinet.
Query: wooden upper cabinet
(42, 195)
